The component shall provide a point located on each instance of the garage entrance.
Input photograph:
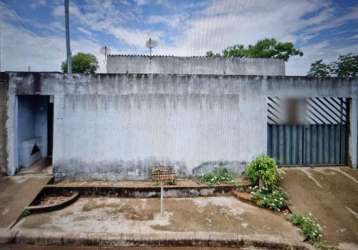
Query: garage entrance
(34, 131)
(311, 131)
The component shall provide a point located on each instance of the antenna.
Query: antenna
(150, 44)
(105, 50)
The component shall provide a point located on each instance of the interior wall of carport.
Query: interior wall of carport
(13, 126)
(353, 134)
(3, 131)
(32, 121)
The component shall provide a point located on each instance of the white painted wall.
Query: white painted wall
(135, 132)
(194, 65)
(118, 126)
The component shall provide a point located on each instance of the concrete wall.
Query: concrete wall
(3, 118)
(194, 65)
(118, 126)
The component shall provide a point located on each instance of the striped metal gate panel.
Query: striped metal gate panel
(320, 140)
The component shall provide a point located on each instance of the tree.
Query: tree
(344, 66)
(212, 54)
(267, 48)
(320, 69)
(82, 63)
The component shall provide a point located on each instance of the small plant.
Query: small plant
(310, 229)
(274, 199)
(219, 175)
(25, 213)
(263, 168)
(172, 181)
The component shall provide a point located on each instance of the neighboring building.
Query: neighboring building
(122, 64)
(118, 126)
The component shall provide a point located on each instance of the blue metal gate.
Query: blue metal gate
(320, 140)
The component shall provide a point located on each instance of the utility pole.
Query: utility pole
(1, 52)
(68, 44)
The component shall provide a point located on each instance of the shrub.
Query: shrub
(263, 168)
(274, 199)
(310, 229)
(218, 176)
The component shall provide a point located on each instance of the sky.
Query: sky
(33, 32)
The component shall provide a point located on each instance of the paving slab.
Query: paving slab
(16, 193)
(139, 220)
(330, 194)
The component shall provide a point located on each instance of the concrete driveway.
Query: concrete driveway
(16, 193)
(331, 195)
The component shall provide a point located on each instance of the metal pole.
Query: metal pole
(1, 34)
(68, 45)
(161, 199)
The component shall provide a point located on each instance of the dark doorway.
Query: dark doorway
(34, 133)
(50, 130)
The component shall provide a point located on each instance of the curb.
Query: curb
(168, 239)
(53, 207)
(6, 236)
(140, 192)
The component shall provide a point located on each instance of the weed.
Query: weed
(310, 229)
(25, 213)
(274, 199)
(219, 175)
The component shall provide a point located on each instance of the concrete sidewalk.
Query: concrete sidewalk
(209, 221)
(16, 193)
(331, 195)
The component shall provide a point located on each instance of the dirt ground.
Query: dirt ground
(331, 195)
(16, 193)
(117, 215)
(29, 247)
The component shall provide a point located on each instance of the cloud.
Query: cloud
(40, 53)
(105, 17)
(146, 2)
(182, 29)
(172, 21)
(225, 23)
(38, 3)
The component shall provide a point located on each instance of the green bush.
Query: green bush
(263, 168)
(310, 229)
(274, 199)
(219, 175)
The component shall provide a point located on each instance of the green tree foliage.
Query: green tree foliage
(266, 48)
(212, 54)
(82, 63)
(263, 168)
(344, 66)
(320, 69)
